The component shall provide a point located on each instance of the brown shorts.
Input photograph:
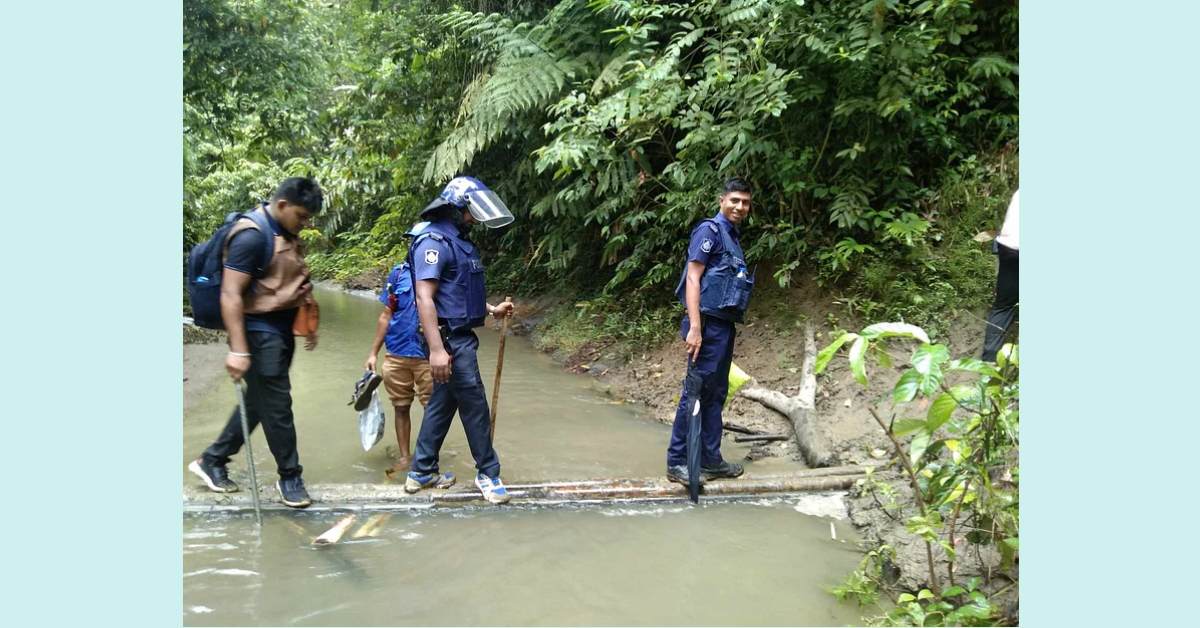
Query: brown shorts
(405, 378)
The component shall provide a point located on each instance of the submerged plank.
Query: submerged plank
(383, 497)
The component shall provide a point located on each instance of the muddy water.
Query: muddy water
(552, 425)
(720, 564)
(731, 563)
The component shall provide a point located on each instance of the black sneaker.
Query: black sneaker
(723, 470)
(291, 490)
(678, 473)
(215, 478)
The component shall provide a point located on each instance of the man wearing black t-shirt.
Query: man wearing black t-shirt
(258, 314)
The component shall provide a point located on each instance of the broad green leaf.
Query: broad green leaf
(931, 382)
(858, 362)
(973, 365)
(895, 330)
(939, 412)
(828, 352)
(967, 395)
(917, 447)
(956, 448)
(906, 389)
(925, 594)
(927, 357)
(904, 427)
(1008, 354)
(953, 591)
(956, 492)
(885, 360)
(905, 597)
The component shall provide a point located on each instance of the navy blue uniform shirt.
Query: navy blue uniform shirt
(706, 244)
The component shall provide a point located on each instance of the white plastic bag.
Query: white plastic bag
(370, 423)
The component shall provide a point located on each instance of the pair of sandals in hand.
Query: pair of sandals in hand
(363, 388)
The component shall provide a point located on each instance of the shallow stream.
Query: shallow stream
(758, 562)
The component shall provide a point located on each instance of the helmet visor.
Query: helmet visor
(488, 209)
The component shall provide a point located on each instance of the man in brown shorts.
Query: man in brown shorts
(406, 371)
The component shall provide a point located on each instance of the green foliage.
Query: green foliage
(945, 271)
(867, 130)
(961, 459)
(844, 116)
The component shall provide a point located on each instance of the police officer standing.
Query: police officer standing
(451, 301)
(715, 288)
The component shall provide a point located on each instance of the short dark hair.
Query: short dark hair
(735, 184)
(302, 191)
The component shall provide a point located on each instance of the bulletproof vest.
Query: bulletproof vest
(280, 287)
(726, 284)
(461, 299)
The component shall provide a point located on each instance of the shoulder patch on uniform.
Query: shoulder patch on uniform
(706, 245)
(431, 256)
(711, 224)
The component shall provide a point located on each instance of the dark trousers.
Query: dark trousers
(463, 393)
(1004, 307)
(268, 401)
(716, 354)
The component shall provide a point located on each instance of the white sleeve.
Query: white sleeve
(1010, 232)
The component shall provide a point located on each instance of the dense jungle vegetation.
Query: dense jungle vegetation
(879, 136)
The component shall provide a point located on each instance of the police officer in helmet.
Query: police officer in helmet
(451, 302)
(715, 289)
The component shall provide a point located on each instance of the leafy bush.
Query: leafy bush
(961, 461)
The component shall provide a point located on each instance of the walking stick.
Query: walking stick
(499, 367)
(241, 395)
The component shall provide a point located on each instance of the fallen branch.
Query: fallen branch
(799, 409)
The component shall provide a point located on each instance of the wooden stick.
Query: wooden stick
(334, 534)
(499, 368)
(372, 526)
(764, 438)
(734, 427)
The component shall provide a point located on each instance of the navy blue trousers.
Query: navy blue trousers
(463, 393)
(716, 354)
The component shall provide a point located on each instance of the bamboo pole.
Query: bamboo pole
(384, 497)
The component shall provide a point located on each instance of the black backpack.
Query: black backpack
(206, 263)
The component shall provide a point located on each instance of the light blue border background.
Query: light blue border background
(1109, 173)
(90, 158)
(91, 163)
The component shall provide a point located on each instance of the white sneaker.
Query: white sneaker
(492, 488)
